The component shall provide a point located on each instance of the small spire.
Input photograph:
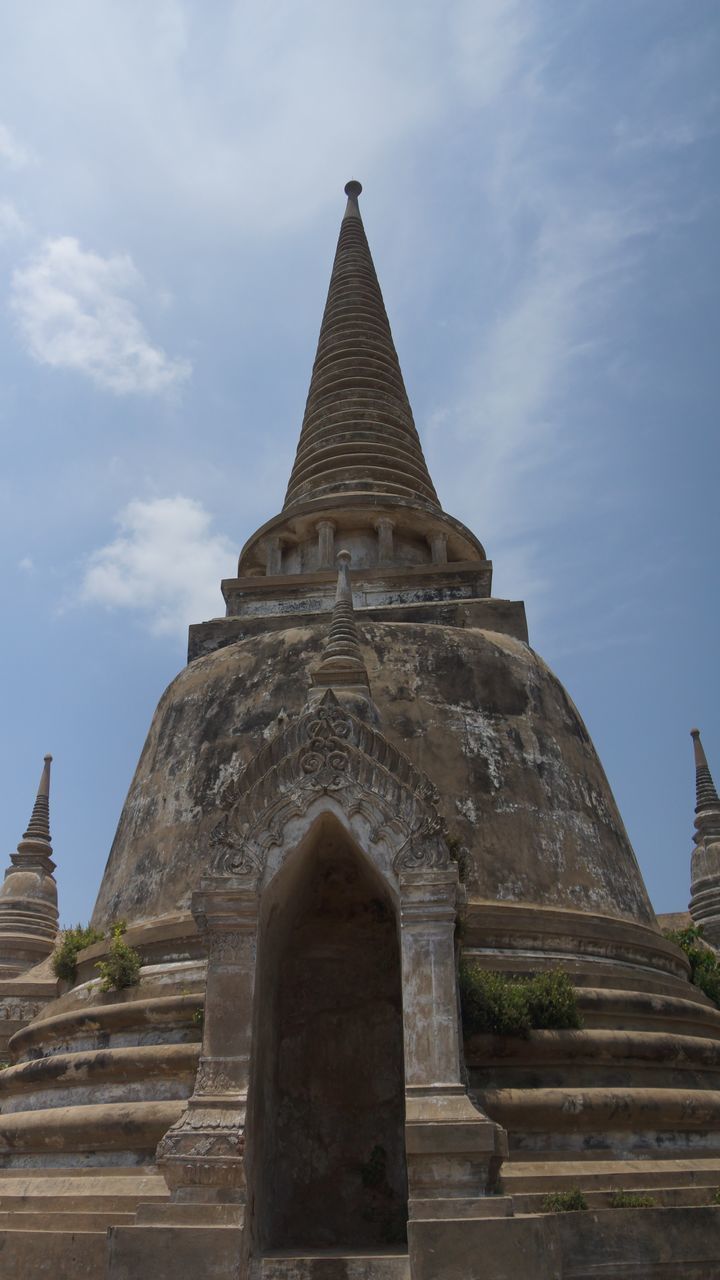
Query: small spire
(39, 825)
(28, 895)
(342, 664)
(706, 796)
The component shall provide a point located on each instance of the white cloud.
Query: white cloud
(165, 564)
(11, 223)
(75, 311)
(11, 151)
(26, 564)
(200, 103)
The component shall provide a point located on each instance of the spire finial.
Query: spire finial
(706, 796)
(352, 191)
(342, 664)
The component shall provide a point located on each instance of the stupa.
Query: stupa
(363, 772)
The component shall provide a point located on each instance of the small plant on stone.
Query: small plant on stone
(629, 1200)
(493, 1002)
(564, 1201)
(715, 1199)
(704, 964)
(198, 1018)
(4, 1065)
(72, 942)
(121, 967)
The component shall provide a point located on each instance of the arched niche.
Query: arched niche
(327, 1105)
(328, 779)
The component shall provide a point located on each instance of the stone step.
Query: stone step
(66, 1222)
(608, 1175)
(332, 1265)
(664, 1198)
(99, 1203)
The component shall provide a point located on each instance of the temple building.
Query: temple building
(364, 782)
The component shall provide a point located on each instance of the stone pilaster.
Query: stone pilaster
(454, 1151)
(386, 542)
(273, 556)
(203, 1155)
(326, 543)
(438, 547)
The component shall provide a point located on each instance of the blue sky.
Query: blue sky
(541, 199)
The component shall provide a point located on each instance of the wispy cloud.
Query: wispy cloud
(12, 152)
(12, 225)
(75, 310)
(569, 219)
(165, 565)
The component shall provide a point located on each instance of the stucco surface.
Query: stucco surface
(521, 787)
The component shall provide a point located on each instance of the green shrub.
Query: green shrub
(715, 1199)
(564, 1201)
(72, 941)
(704, 964)
(198, 1018)
(627, 1200)
(121, 967)
(552, 1002)
(493, 1002)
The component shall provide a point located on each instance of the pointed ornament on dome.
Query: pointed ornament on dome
(358, 435)
(342, 665)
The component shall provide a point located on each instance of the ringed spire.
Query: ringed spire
(358, 435)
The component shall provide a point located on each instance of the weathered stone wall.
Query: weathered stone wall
(522, 789)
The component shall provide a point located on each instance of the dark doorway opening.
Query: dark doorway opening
(329, 1151)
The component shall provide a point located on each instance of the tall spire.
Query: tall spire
(28, 896)
(358, 434)
(342, 664)
(706, 796)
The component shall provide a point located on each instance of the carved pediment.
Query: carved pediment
(329, 751)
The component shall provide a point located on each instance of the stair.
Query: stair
(608, 1175)
(335, 1265)
(76, 1201)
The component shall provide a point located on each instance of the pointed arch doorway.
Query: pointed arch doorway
(329, 1078)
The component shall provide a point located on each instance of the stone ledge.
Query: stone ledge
(100, 1127)
(506, 617)
(99, 1066)
(158, 1011)
(595, 1046)
(492, 926)
(595, 1110)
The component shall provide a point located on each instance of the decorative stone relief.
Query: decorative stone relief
(329, 750)
(205, 1147)
(212, 1077)
(232, 855)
